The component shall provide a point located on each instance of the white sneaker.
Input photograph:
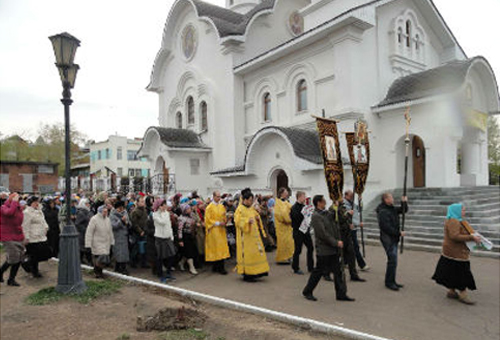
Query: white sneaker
(365, 268)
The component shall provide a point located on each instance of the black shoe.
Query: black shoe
(298, 272)
(398, 285)
(357, 279)
(345, 298)
(13, 283)
(392, 287)
(223, 272)
(310, 297)
(37, 275)
(249, 279)
(327, 278)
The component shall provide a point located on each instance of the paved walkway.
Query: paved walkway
(418, 312)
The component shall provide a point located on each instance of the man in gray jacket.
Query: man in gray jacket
(328, 251)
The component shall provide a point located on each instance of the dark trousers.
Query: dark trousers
(359, 257)
(350, 256)
(327, 264)
(301, 239)
(168, 263)
(391, 250)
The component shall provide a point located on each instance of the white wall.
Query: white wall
(113, 163)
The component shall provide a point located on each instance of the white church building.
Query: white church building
(237, 88)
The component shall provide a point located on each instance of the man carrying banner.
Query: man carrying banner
(328, 251)
(344, 220)
(354, 210)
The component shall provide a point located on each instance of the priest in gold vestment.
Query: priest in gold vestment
(250, 252)
(216, 247)
(283, 225)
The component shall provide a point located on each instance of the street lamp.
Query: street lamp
(69, 278)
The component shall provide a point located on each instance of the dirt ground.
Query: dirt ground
(115, 316)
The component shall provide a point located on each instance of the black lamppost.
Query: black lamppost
(69, 278)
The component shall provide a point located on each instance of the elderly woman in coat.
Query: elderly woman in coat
(35, 232)
(99, 238)
(453, 268)
(120, 222)
(83, 216)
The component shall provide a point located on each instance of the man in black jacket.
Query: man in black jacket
(328, 246)
(390, 233)
(301, 236)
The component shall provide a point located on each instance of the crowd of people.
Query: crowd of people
(186, 232)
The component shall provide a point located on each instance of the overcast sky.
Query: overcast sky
(120, 39)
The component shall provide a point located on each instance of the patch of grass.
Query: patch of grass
(44, 297)
(95, 289)
(124, 336)
(185, 334)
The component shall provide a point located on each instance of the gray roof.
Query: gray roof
(238, 168)
(305, 143)
(436, 81)
(179, 138)
(228, 22)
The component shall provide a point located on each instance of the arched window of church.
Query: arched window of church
(178, 120)
(417, 42)
(204, 116)
(408, 33)
(302, 95)
(400, 35)
(267, 107)
(190, 110)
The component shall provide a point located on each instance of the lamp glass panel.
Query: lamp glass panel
(72, 71)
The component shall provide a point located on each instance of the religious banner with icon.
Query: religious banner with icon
(332, 159)
(359, 156)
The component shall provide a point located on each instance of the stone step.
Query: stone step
(434, 232)
(476, 207)
(415, 219)
(443, 211)
(424, 241)
(457, 190)
(451, 200)
(434, 249)
(465, 196)
(435, 237)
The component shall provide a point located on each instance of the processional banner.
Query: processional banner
(358, 147)
(332, 158)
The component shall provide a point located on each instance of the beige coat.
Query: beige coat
(99, 235)
(34, 225)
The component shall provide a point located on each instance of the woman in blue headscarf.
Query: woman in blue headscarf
(453, 268)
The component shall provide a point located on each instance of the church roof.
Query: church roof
(229, 22)
(436, 81)
(179, 138)
(305, 144)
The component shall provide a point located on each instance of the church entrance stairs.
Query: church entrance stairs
(428, 207)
